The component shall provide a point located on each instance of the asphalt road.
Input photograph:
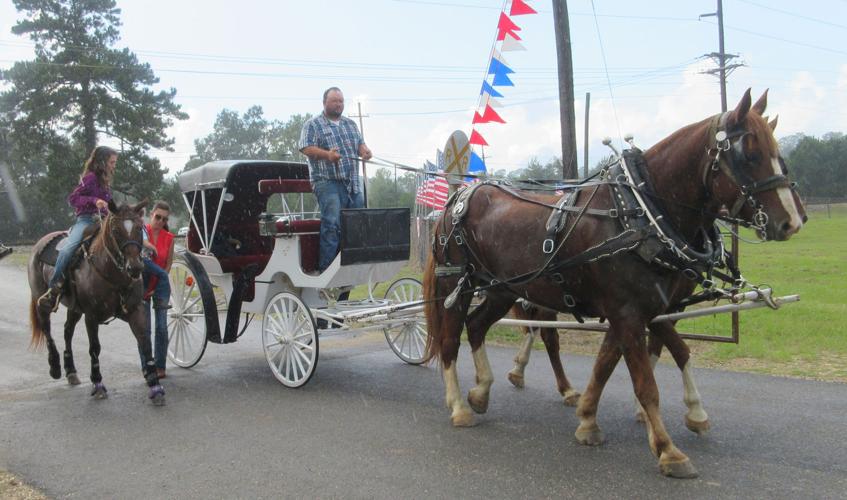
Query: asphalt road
(369, 426)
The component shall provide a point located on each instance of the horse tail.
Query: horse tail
(433, 310)
(38, 339)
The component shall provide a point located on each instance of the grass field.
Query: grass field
(805, 339)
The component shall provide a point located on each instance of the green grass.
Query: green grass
(812, 264)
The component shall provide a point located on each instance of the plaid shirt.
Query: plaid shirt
(326, 134)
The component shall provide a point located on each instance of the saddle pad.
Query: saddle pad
(50, 252)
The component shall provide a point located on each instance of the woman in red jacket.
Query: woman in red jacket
(156, 284)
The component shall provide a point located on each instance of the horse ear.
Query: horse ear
(139, 207)
(761, 104)
(772, 123)
(112, 207)
(740, 112)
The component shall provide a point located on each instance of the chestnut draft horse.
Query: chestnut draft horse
(105, 285)
(632, 246)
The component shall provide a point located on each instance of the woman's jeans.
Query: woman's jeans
(332, 197)
(72, 243)
(159, 301)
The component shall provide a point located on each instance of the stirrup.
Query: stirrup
(44, 302)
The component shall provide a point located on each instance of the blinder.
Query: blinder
(735, 164)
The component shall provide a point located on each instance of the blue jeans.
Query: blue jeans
(332, 197)
(161, 294)
(73, 242)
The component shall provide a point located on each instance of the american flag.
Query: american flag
(433, 193)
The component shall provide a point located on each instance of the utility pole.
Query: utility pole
(564, 61)
(585, 144)
(721, 57)
(722, 71)
(364, 169)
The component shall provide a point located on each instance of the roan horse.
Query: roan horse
(105, 285)
(638, 242)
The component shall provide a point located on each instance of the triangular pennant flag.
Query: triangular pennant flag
(477, 118)
(477, 139)
(501, 35)
(476, 164)
(520, 8)
(506, 24)
(501, 80)
(499, 57)
(488, 89)
(489, 115)
(498, 68)
(494, 103)
(510, 44)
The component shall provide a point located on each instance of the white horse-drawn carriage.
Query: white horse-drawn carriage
(252, 248)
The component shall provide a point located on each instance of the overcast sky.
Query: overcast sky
(417, 65)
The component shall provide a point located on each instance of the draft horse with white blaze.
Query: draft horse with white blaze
(106, 284)
(633, 245)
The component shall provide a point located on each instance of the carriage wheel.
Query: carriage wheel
(408, 341)
(186, 318)
(290, 339)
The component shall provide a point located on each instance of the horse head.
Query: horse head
(123, 229)
(749, 175)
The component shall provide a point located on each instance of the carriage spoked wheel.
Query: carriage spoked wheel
(408, 341)
(290, 339)
(186, 318)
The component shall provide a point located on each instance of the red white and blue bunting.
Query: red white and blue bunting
(507, 40)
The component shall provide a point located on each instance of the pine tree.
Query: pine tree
(79, 91)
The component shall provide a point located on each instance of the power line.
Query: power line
(794, 14)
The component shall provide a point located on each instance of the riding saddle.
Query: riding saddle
(50, 253)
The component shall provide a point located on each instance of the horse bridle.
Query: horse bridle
(734, 164)
(120, 261)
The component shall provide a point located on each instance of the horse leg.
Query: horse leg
(550, 336)
(516, 375)
(654, 348)
(480, 320)
(138, 323)
(672, 461)
(43, 319)
(697, 420)
(588, 432)
(70, 324)
(93, 328)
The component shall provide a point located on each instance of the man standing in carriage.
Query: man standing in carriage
(332, 143)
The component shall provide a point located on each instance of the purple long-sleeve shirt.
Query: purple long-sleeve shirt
(84, 197)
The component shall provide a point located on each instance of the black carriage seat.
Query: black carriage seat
(307, 231)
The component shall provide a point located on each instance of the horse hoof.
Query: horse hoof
(590, 437)
(696, 427)
(99, 391)
(55, 372)
(478, 403)
(516, 379)
(463, 419)
(571, 397)
(680, 470)
(157, 395)
(72, 379)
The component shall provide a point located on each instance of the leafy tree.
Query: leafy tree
(249, 137)
(819, 166)
(535, 170)
(78, 90)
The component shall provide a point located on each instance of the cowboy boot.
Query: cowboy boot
(49, 301)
